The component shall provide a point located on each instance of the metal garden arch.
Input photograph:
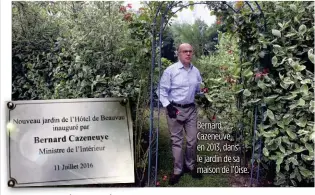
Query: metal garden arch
(154, 133)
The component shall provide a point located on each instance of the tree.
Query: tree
(168, 48)
(199, 35)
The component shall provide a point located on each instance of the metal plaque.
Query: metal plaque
(70, 142)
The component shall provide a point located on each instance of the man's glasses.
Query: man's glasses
(186, 51)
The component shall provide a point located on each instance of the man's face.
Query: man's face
(185, 54)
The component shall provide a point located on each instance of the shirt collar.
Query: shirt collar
(180, 65)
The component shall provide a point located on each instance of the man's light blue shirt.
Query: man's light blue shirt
(179, 85)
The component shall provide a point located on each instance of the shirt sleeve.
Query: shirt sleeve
(164, 86)
(199, 79)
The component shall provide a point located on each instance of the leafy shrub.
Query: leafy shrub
(217, 72)
(277, 72)
(68, 50)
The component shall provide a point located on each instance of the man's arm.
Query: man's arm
(199, 79)
(164, 86)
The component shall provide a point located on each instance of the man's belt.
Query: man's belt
(183, 105)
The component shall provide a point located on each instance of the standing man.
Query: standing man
(178, 86)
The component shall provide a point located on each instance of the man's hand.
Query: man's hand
(172, 111)
(204, 90)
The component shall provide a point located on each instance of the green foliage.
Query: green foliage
(76, 59)
(291, 112)
(199, 35)
(281, 60)
(218, 72)
(66, 50)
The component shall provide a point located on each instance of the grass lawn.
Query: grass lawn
(166, 163)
